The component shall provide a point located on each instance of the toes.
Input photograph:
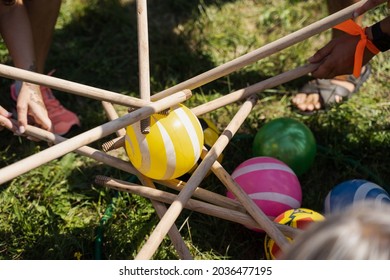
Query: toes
(307, 102)
(299, 98)
(338, 98)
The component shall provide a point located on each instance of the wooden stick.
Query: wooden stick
(262, 52)
(257, 214)
(11, 171)
(114, 144)
(177, 206)
(143, 58)
(205, 195)
(192, 204)
(117, 163)
(70, 87)
(160, 208)
(173, 232)
(253, 89)
(120, 140)
(126, 166)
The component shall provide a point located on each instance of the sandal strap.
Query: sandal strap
(326, 89)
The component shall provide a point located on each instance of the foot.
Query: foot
(318, 93)
(309, 102)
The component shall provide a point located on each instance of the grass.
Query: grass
(57, 212)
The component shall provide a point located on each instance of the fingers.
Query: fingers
(5, 113)
(40, 116)
(322, 53)
(324, 71)
(4, 118)
(30, 103)
(325, 68)
(22, 108)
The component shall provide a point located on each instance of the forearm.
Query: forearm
(385, 26)
(379, 34)
(16, 31)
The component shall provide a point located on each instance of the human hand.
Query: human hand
(337, 57)
(5, 118)
(30, 103)
(368, 6)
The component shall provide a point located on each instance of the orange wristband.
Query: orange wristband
(353, 28)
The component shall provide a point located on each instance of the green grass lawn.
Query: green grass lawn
(56, 211)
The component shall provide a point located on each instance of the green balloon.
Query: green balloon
(287, 140)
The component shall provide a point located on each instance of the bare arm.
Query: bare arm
(337, 57)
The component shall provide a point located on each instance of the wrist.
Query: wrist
(368, 32)
(379, 38)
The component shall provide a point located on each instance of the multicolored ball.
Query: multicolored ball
(172, 146)
(296, 218)
(272, 185)
(346, 193)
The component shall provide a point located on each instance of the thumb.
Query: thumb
(321, 53)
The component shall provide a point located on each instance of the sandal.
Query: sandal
(328, 90)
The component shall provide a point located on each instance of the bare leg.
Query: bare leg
(43, 17)
(312, 101)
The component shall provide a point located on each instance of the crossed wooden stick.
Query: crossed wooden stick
(244, 210)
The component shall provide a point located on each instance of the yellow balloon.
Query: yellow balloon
(172, 146)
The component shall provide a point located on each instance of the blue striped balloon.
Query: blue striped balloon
(351, 191)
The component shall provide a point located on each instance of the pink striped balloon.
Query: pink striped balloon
(272, 185)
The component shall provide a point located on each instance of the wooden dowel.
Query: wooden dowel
(192, 204)
(205, 195)
(126, 166)
(11, 171)
(253, 89)
(112, 114)
(114, 144)
(173, 232)
(177, 206)
(262, 52)
(120, 140)
(117, 163)
(71, 87)
(143, 58)
(256, 213)
(160, 208)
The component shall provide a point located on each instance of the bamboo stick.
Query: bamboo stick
(11, 171)
(262, 52)
(70, 87)
(192, 204)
